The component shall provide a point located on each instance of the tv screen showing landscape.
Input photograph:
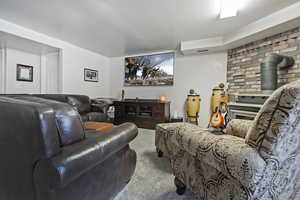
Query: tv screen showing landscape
(149, 70)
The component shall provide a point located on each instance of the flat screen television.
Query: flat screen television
(150, 70)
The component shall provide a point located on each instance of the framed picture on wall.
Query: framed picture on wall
(149, 70)
(24, 73)
(91, 75)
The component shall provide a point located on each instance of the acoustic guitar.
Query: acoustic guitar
(217, 118)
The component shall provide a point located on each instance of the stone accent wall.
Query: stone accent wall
(243, 69)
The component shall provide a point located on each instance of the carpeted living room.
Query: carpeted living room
(150, 100)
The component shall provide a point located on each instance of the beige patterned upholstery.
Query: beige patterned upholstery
(265, 166)
(223, 159)
(278, 116)
(238, 127)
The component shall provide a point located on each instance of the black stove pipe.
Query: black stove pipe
(269, 70)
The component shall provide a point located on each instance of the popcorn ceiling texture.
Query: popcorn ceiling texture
(243, 68)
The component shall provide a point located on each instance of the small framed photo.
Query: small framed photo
(24, 73)
(91, 75)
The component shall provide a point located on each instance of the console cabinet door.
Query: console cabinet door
(143, 114)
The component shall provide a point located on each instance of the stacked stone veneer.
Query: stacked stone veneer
(243, 69)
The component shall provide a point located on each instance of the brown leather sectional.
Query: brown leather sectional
(88, 110)
(47, 155)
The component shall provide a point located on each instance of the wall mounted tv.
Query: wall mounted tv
(149, 70)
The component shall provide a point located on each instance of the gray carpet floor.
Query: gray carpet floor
(153, 179)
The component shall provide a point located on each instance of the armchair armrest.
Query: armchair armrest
(234, 158)
(80, 157)
(238, 127)
(228, 154)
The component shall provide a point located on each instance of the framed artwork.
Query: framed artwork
(24, 73)
(91, 75)
(149, 70)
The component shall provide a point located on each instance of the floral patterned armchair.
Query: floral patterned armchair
(256, 160)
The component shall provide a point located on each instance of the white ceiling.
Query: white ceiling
(124, 27)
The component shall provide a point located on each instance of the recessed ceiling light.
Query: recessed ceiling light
(229, 8)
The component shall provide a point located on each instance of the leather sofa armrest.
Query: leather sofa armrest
(99, 107)
(238, 127)
(80, 157)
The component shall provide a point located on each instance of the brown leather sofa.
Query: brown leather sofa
(47, 155)
(88, 110)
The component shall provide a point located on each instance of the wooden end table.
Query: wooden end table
(98, 126)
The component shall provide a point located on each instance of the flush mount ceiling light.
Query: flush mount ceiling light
(229, 8)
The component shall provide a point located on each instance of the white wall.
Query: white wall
(199, 72)
(51, 73)
(202, 73)
(14, 57)
(45, 72)
(73, 61)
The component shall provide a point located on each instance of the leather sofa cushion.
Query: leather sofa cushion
(84, 118)
(94, 117)
(77, 159)
(55, 97)
(99, 107)
(32, 122)
(80, 103)
(71, 129)
(27, 134)
(68, 121)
